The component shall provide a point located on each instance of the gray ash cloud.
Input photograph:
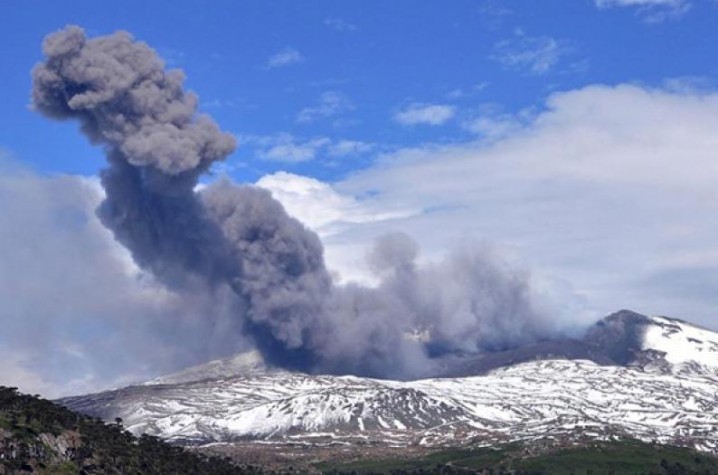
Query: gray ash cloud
(238, 240)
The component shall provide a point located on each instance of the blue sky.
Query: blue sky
(578, 139)
(352, 66)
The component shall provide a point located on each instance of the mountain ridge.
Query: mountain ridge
(646, 386)
(614, 340)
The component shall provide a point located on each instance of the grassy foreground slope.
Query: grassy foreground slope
(38, 436)
(616, 458)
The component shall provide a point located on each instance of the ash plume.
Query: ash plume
(156, 146)
(238, 240)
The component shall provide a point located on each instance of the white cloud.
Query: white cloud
(14, 373)
(640, 3)
(690, 84)
(349, 147)
(653, 11)
(536, 55)
(320, 206)
(461, 93)
(340, 25)
(493, 127)
(612, 189)
(330, 103)
(77, 315)
(429, 114)
(491, 123)
(331, 215)
(494, 13)
(284, 147)
(283, 58)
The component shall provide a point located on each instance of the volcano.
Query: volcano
(630, 375)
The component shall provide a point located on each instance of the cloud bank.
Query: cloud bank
(77, 313)
(611, 188)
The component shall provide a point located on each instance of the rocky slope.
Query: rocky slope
(651, 378)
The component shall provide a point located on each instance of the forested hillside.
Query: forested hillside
(39, 436)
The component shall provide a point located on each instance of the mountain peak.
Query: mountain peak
(241, 364)
(626, 316)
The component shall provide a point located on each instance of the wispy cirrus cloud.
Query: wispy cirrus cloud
(491, 123)
(465, 93)
(330, 103)
(652, 11)
(344, 148)
(285, 57)
(535, 55)
(286, 148)
(493, 127)
(428, 114)
(339, 24)
(494, 14)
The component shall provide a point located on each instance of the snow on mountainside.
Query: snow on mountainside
(624, 338)
(685, 347)
(241, 364)
(666, 389)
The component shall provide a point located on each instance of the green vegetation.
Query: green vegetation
(37, 436)
(616, 458)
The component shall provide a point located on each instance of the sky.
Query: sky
(576, 137)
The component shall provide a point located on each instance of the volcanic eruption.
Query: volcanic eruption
(236, 242)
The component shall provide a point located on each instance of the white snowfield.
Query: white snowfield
(686, 347)
(533, 400)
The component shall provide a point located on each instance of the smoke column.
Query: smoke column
(240, 238)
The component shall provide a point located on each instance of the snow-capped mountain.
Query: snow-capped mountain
(624, 338)
(651, 378)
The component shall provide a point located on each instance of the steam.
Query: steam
(239, 241)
